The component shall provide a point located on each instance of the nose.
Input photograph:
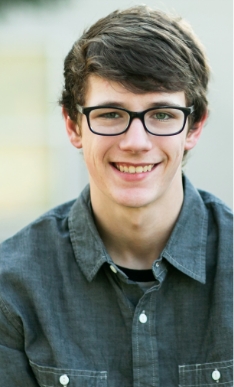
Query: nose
(136, 139)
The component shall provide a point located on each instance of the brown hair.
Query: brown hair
(143, 49)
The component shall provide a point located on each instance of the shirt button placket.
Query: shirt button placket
(144, 343)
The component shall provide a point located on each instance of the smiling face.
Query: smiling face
(135, 168)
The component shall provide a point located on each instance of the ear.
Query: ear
(73, 130)
(195, 133)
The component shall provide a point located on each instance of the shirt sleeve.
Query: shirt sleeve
(14, 364)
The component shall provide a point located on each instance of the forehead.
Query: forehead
(101, 91)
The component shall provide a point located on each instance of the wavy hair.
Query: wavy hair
(143, 49)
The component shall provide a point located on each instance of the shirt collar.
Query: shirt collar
(185, 250)
(88, 247)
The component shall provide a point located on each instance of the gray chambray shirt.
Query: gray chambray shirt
(70, 317)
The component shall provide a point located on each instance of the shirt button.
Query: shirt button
(143, 318)
(157, 264)
(216, 375)
(113, 269)
(64, 380)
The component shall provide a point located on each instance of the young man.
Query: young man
(129, 285)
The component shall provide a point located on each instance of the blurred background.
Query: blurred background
(39, 169)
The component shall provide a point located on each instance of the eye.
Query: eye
(107, 113)
(162, 116)
(110, 115)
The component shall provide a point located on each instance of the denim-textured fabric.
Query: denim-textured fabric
(64, 312)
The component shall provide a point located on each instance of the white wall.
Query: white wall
(38, 167)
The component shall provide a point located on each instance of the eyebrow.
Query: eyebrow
(152, 104)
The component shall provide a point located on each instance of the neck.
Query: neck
(135, 237)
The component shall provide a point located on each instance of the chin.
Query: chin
(134, 200)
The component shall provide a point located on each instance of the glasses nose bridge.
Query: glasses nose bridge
(139, 115)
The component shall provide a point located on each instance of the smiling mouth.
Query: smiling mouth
(134, 169)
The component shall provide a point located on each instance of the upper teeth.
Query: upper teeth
(132, 169)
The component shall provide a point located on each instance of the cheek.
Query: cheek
(172, 147)
(96, 150)
(89, 158)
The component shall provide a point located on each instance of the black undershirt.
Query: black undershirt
(138, 275)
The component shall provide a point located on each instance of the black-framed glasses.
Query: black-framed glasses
(159, 121)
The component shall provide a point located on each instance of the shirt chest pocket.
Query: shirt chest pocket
(61, 377)
(217, 374)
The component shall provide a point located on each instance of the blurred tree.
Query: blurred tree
(9, 3)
